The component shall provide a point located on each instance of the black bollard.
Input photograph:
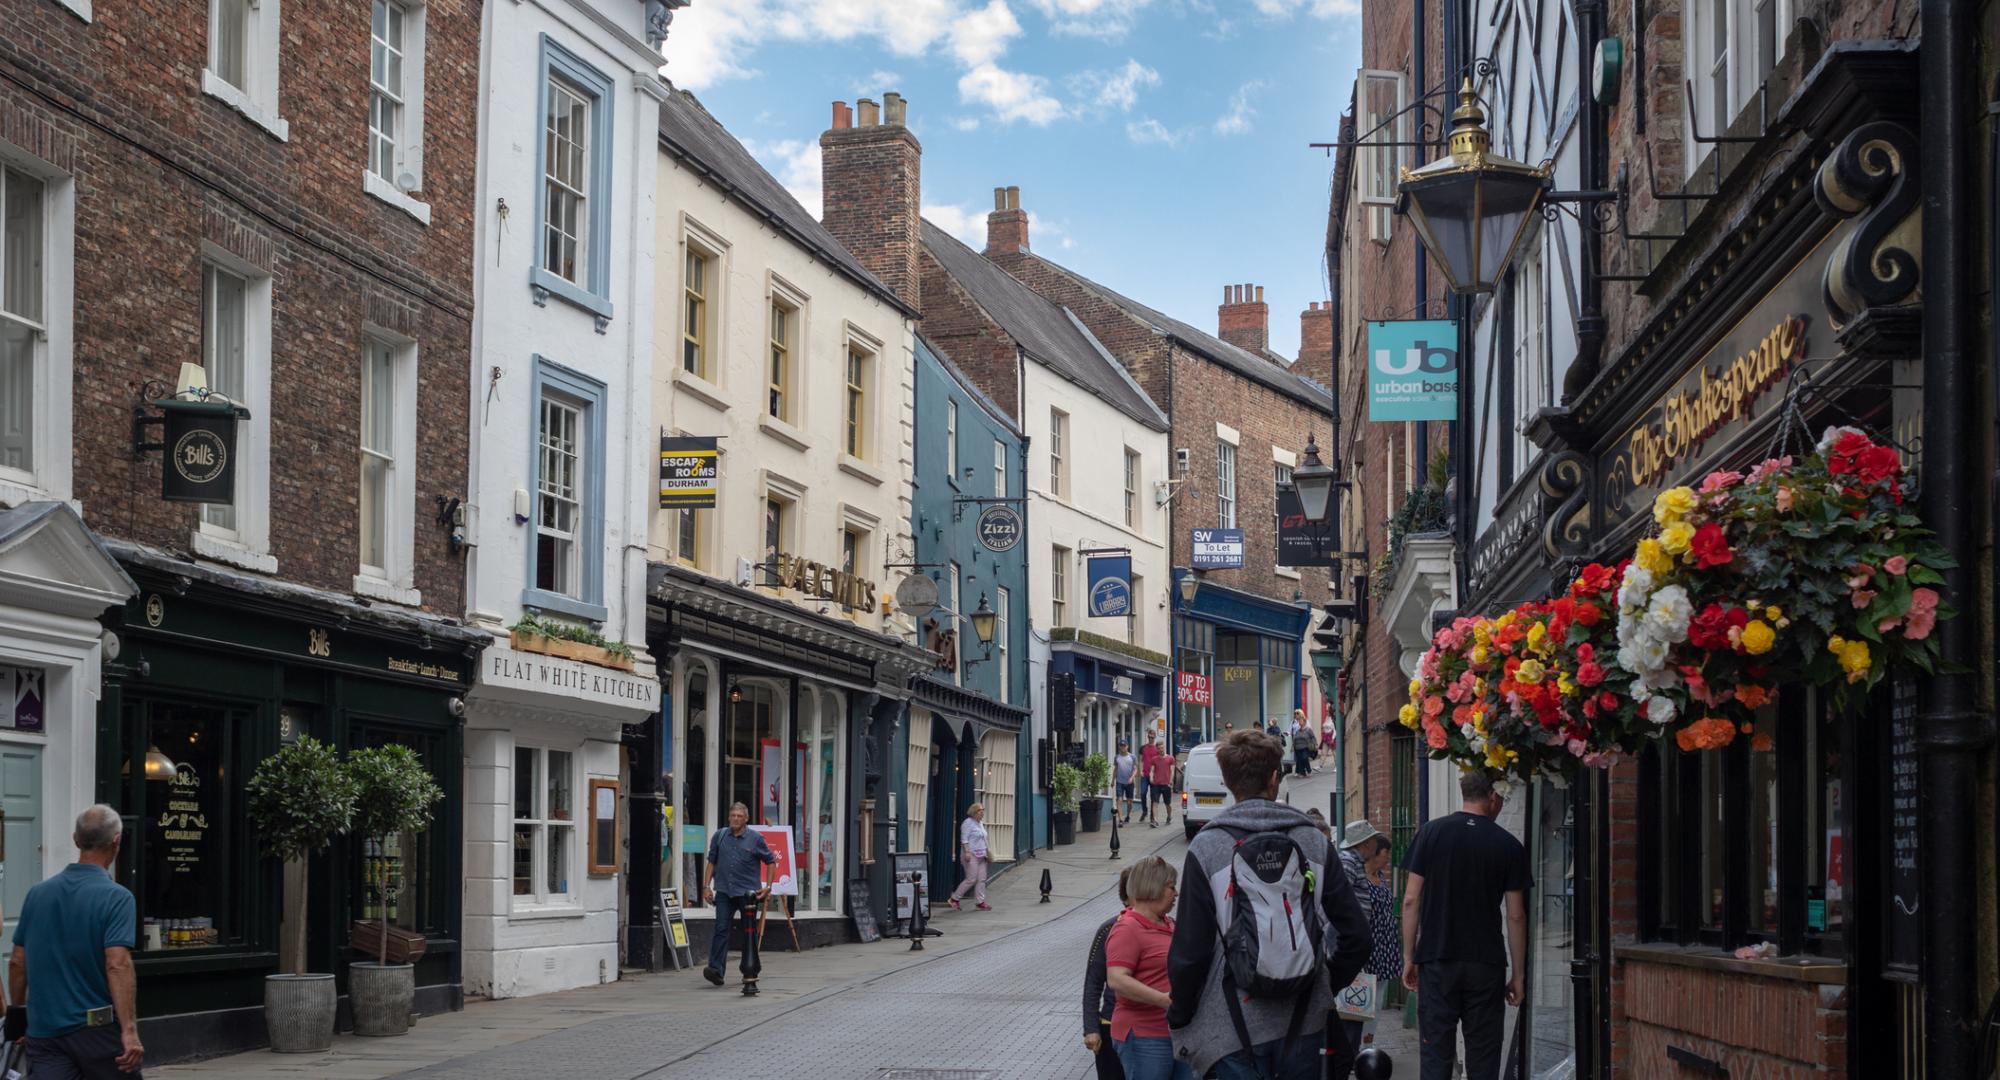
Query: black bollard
(1046, 886)
(1373, 1064)
(917, 914)
(1114, 835)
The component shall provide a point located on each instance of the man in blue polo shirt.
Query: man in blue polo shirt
(73, 943)
(732, 882)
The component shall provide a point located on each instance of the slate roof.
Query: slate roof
(1047, 331)
(691, 134)
(1244, 363)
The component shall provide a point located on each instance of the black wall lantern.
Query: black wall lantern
(198, 439)
(1472, 207)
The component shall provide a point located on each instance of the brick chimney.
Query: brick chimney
(1244, 320)
(1007, 225)
(871, 190)
(1316, 343)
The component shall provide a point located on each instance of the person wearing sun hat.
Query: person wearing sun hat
(1364, 854)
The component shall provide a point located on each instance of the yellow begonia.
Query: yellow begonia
(1479, 721)
(1567, 686)
(1481, 634)
(1853, 655)
(1479, 654)
(1774, 613)
(1538, 637)
(1758, 637)
(1675, 537)
(1530, 672)
(1498, 757)
(1408, 715)
(1673, 504)
(1652, 558)
(1416, 687)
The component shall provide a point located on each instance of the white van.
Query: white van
(1202, 793)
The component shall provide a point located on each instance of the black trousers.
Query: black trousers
(1456, 993)
(85, 1054)
(1108, 1065)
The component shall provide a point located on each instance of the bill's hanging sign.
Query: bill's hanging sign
(687, 473)
(1413, 370)
(200, 446)
(1110, 586)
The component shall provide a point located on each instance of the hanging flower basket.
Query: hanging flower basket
(1802, 572)
(1534, 692)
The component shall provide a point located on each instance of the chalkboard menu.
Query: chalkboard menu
(862, 904)
(1902, 946)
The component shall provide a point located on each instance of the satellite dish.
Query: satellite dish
(917, 596)
(407, 182)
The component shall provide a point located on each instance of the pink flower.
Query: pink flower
(1769, 466)
(1886, 625)
(1896, 564)
(1783, 500)
(1923, 614)
(1720, 481)
(1861, 598)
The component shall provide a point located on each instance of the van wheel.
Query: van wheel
(1190, 827)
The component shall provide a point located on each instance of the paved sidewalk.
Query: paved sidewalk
(659, 1019)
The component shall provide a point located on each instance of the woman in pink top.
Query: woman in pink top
(1135, 967)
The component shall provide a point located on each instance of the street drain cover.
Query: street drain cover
(936, 1074)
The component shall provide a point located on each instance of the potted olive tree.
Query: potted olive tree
(1096, 775)
(300, 799)
(1064, 783)
(394, 795)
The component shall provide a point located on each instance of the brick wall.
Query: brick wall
(159, 168)
(1244, 320)
(1316, 331)
(1768, 1028)
(872, 182)
(960, 329)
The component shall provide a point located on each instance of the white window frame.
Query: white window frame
(1225, 484)
(258, 98)
(542, 897)
(1058, 446)
(1132, 467)
(999, 469)
(1133, 609)
(951, 440)
(822, 710)
(1378, 174)
(1001, 611)
(697, 243)
(50, 406)
(1726, 63)
(1530, 348)
(248, 544)
(860, 364)
(407, 141)
(997, 760)
(917, 778)
(955, 583)
(1059, 557)
(395, 582)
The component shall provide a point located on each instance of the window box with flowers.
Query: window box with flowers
(570, 642)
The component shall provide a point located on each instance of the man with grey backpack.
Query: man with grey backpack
(1268, 929)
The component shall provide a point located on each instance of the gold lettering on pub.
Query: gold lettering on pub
(823, 581)
(1721, 394)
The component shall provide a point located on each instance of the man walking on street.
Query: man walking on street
(1303, 744)
(1124, 773)
(73, 944)
(733, 883)
(1160, 780)
(1268, 929)
(1461, 868)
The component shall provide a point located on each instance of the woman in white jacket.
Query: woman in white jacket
(972, 856)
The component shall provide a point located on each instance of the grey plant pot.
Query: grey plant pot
(298, 1012)
(381, 995)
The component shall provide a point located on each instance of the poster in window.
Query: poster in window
(770, 774)
(782, 876)
(604, 826)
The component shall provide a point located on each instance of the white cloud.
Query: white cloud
(1241, 115)
(1117, 89)
(1149, 131)
(980, 36)
(1011, 95)
(874, 83)
(1319, 9)
(965, 123)
(795, 162)
(712, 43)
(968, 225)
(1044, 233)
(1091, 18)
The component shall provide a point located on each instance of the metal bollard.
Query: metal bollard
(1046, 886)
(917, 913)
(1114, 836)
(1373, 1064)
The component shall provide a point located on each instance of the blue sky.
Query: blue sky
(1159, 145)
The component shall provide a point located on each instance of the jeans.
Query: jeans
(729, 909)
(1453, 994)
(1151, 1057)
(1302, 762)
(1261, 1062)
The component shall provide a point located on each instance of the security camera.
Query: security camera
(1182, 459)
(456, 707)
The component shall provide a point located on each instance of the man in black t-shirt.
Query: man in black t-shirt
(1461, 867)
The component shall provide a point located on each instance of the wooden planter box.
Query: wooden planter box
(569, 650)
(405, 946)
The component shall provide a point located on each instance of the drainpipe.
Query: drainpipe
(1591, 150)
(1420, 272)
(1952, 734)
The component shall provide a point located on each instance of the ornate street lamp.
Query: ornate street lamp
(1189, 585)
(983, 621)
(1314, 480)
(1472, 208)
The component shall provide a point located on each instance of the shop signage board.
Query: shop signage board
(1412, 370)
(688, 471)
(907, 866)
(999, 528)
(861, 904)
(917, 596)
(1193, 688)
(1110, 586)
(23, 693)
(817, 579)
(1903, 936)
(200, 441)
(673, 918)
(1303, 542)
(1217, 549)
(505, 671)
(782, 875)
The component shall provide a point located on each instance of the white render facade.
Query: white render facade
(556, 520)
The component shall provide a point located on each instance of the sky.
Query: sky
(1160, 145)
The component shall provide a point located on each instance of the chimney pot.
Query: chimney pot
(1244, 320)
(1007, 225)
(999, 198)
(843, 117)
(1013, 198)
(871, 113)
(1260, 294)
(896, 110)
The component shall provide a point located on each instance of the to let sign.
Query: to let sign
(1193, 688)
(1217, 549)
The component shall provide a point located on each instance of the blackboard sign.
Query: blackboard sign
(862, 905)
(673, 925)
(1903, 934)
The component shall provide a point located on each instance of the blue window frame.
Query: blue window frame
(573, 183)
(566, 485)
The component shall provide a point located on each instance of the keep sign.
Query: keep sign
(1413, 370)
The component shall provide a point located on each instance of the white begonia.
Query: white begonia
(1660, 709)
(1652, 654)
(1636, 588)
(1667, 614)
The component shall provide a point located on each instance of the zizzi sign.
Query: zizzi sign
(1413, 370)
(823, 581)
(999, 528)
(200, 448)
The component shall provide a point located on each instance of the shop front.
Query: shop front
(214, 672)
(791, 713)
(1245, 655)
(1120, 692)
(964, 748)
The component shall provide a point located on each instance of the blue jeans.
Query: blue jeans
(1151, 1057)
(1261, 1062)
(729, 909)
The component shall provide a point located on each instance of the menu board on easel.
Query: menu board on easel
(673, 923)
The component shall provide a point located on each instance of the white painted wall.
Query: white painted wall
(758, 453)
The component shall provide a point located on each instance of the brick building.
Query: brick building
(1241, 417)
(253, 194)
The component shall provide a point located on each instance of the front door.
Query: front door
(21, 800)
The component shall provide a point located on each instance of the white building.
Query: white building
(561, 455)
(770, 612)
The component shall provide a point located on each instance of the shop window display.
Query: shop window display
(187, 833)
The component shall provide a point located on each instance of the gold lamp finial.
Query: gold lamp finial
(1469, 140)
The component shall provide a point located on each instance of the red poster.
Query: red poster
(1192, 688)
(781, 876)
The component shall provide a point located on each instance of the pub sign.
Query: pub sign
(200, 445)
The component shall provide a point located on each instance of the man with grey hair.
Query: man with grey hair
(74, 942)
